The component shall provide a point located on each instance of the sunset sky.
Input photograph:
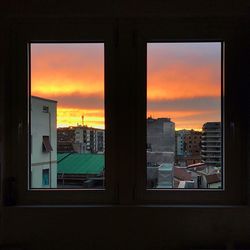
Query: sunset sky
(73, 75)
(183, 81)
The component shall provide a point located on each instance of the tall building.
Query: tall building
(160, 135)
(211, 144)
(160, 150)
(43, 142)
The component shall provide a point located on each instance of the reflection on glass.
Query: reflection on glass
(184, 148)
(67, 133)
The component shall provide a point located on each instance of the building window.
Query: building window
(45, 176)
(46, 144)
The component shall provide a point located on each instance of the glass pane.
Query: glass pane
(184, 129)
(67, 129)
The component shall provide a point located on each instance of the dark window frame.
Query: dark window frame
(63, 32)
(126, 44)
(194, 31)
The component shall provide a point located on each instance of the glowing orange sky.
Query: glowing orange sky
(183, 82)
(72, 74)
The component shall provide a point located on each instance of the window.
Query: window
(62, 102)
(151, 64)
(46, 144)
(67, 82)
(184, 96)
(125, 102)
(45, 176)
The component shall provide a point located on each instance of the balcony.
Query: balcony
(211, 156)
(211, 151)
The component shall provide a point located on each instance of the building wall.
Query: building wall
(90, 139)
(180, 141)
(161, 135)
(211, 143)
(193, 143)
(43, 124)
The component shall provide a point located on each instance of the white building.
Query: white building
(43, 143)
(90, 139)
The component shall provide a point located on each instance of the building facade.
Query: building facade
(192, 142)
(180, 142)
(160, 135)
(160, 148)
(89, 139)
(188, 147)
(211, 143)
(43, 143)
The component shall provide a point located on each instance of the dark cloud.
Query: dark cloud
(187, 53)
(185, 104)
(79, 101)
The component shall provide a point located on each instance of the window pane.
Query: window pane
(67, 126)
(184, 127)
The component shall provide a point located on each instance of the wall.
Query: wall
(43, 124)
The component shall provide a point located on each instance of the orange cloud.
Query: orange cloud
(184, 82)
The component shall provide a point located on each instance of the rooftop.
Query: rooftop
(182, 174)
(213, 178)
(73, 163)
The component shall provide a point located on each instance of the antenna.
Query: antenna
(82, 120)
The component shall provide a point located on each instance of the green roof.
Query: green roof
(86, 163)
(61, 156)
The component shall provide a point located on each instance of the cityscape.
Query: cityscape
(183, 158)
(67, 137)
(73, 157)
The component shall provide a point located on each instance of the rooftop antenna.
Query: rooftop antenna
(82, 120)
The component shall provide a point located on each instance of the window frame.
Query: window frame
(125, 42)
(193, 30)
(22, 35)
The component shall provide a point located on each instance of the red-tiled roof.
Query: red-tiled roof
(200, 164)
(213, 178)
(182, 174)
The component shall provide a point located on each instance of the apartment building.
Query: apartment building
(188, 147)
(192, 142)
(88, 139)
(211, 144)
(43, 143)
(180, 141)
